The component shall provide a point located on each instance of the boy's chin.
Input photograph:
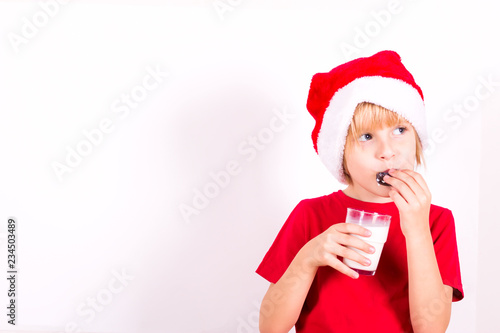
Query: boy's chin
(382, 190)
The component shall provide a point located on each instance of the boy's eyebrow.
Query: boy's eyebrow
(380, 126)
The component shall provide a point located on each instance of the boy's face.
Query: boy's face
(377, 151)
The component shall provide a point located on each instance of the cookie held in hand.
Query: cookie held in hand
(380, 178)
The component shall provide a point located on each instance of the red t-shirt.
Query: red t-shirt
(338, 303)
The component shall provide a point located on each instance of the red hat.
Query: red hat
(380, 79)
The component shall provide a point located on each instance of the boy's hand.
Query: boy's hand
(323, 249)
(413, 199)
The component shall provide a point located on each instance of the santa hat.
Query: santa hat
(380, 79)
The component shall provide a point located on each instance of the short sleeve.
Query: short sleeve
(290, 239)
(445, 247)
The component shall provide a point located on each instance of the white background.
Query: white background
(230, 69)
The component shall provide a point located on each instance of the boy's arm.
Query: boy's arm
(430, 300)
(284, 300)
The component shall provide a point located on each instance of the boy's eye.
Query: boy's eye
(365, 137)
(399, 130)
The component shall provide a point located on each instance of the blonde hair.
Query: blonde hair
(367, 117)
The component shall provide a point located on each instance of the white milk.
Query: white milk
(377, 240)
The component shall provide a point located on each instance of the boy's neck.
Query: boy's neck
(359, 193)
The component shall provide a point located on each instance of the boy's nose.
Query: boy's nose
(386, 150)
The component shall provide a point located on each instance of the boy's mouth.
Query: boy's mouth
(380, 177)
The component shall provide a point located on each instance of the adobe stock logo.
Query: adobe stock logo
(224, 6)
(454, 117)
(31, 27)
(121, 108)
(363, 36)
(249, 148)
(89, 309)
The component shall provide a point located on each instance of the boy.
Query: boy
(369, 116)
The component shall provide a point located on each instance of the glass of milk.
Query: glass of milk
(378, 224)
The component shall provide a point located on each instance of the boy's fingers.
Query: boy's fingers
(404, 183)
(338, 265)
(409, 185)
(355, 256)
(341, 239)
(413, 179)
(397, 198)
(352, 228)
(419, 179)
(349, 252)
(400, 187)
